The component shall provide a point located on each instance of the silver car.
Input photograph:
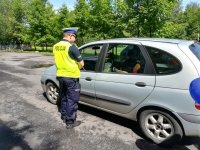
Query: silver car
(146, 80)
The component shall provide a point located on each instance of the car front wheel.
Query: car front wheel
(160, 127)
(52, 92)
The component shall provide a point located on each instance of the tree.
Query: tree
(175, 26)
(36, 23)
(19, 22)
(62, 20)
(172, 30)
(192, 15)
(5, 21)
(119, 23)
(82, 20)
(41, 23)
(150, 15)
(102, 18)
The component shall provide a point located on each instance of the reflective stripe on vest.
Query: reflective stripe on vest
(66, 67)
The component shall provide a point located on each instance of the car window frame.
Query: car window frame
(98, 63)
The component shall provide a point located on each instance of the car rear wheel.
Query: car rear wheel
(160, 127)
(52, 92)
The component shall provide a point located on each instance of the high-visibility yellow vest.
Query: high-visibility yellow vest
(65, 65)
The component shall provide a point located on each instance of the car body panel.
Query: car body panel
(194, 60)
(50, 75)
(175, 100)
(118, 93)
(87, 81)
(180, 80)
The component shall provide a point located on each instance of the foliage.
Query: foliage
(82, 17)
(35, 22)
(5, 21)
(40, 16)
(150, 15)
(192, 15)
(62, 19)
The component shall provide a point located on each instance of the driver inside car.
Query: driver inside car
(129, 61)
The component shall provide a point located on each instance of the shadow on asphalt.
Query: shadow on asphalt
(191, 141)
(113, 118)
(11, 139)
(187, 141)
(14, 139)
(143, 144)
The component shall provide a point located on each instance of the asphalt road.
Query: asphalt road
(28, 121)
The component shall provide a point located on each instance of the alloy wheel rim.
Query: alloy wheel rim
(53, 93)
(159, 126)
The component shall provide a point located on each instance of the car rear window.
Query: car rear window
(195, 48)
(164, 63)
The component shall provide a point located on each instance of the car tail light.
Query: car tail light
(197, 106)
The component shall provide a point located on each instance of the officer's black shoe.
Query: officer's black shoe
(72, 125)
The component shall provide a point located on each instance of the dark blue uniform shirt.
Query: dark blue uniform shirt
(74, 53)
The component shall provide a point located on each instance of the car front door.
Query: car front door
(126, 78)
(90, 55)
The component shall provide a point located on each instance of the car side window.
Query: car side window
(164, 63)
(90, 56)
(124, 58)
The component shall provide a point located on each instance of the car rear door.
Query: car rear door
(119, 91)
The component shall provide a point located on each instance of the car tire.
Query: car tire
(52, 93)
(160, 127)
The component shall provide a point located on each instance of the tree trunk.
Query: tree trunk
(150, 32)
(35, 47)
(46, 46)
(138, 28)
(18, 45)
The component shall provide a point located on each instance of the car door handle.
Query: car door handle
(140, 84)
(88, 79)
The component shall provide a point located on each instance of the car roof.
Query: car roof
(160, 40)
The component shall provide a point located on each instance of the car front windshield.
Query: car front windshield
(195, 48)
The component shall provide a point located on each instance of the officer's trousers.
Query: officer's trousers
(69, 97)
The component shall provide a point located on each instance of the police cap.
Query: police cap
(72, 30)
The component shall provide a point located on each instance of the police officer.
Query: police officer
(68, 64)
